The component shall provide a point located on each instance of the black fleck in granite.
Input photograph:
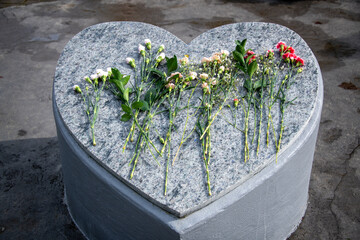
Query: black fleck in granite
(108, 44)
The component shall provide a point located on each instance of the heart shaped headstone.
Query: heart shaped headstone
(108, 44)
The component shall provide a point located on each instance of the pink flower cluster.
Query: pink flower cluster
(216, 57)
(288, 54)
(249, 53)
(173, 76)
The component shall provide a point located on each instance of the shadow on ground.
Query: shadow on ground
(32, 192)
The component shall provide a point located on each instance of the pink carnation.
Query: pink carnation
(176, 73)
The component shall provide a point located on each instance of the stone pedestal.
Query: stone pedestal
(259, 199)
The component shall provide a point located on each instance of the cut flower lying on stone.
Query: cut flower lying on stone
(244, 82)
(91, 97)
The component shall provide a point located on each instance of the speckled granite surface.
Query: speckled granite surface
(108, 44)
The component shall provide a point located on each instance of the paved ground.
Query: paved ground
(33, 34)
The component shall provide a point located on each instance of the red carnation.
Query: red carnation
(292, 56)
(281, 46)
(299, 61)
(290, 49)
(249, 53)
(286, 56)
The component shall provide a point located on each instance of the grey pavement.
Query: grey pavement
(33, 34)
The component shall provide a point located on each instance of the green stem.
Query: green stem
(135, 162)
(167, 168)
(220, 108)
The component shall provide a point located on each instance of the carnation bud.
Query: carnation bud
(160, 57)
(93, 76)
(142, 50)
(184, 60)
(161, 48)
(148, 43)
(236, 102)
(221, 69)
(86, 78)
(193, 75)
(204, 76)
(213, 81)
(225, 53)
(77, 88)
(131, 62)
(205, 60)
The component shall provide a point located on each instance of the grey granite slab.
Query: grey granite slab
(108, 44)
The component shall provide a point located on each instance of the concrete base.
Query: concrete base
(270, 205)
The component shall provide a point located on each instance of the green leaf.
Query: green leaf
(239, 57)
(252, 68)
(241, 68)
(171, 64)
(257, 84)
(126, 108)
(126, 94)
(137, 105)
(125, 117)
(240, 49)
(243, 43)
(247, 84)
(145, 106)
(118, 84)
(125, 80)
(157, 72)
(116, 73)
(237, 42)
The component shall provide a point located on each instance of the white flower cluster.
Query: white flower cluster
(99, 73)
(142, 50)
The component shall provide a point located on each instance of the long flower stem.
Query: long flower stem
(167, 168)
(147, 138)
(168, 136)
(261, 114)
(136, 160)
(259, 132)
(186, 122)
(128, 137)
(208, 137)
(220, 108)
